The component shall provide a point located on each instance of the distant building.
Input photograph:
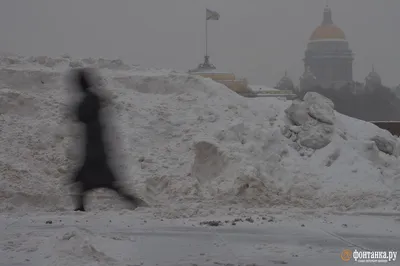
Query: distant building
(397, 91)
(328, 58)
(308, 79)
(208, 70)
(285, 83)
(373, 80)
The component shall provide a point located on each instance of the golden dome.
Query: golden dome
(327, 30)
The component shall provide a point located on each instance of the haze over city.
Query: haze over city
(256, 39)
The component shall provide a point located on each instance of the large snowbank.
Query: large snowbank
(189, 140)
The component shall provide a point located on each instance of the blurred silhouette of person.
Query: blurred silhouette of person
(95, 171)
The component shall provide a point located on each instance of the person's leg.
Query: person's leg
(80, 202)
(80, 199)
(110, 181)
(135, 201)
(80, 189)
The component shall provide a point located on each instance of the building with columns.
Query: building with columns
(328, 58)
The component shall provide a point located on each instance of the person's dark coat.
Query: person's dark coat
(95, 171)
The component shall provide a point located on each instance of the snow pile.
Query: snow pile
(189, 140)
(316, 117)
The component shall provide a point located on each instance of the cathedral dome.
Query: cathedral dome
(324, 32)
(327, 30)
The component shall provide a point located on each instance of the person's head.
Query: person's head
(83, 80)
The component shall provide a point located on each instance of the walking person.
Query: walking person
(95, 171)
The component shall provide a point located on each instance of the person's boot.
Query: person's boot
(135, 201)
(141, 203)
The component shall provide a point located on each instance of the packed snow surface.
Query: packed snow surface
(186, 144)
(124, 238)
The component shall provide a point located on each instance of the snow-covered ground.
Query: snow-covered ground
(194, 150)
(132, 238)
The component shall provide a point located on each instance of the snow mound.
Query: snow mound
(188, 140)
(315, 116)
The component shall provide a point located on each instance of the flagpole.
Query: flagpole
(206, 37)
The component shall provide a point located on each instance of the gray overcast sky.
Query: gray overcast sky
(257, 39)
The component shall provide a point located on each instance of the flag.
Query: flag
(212, 15)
